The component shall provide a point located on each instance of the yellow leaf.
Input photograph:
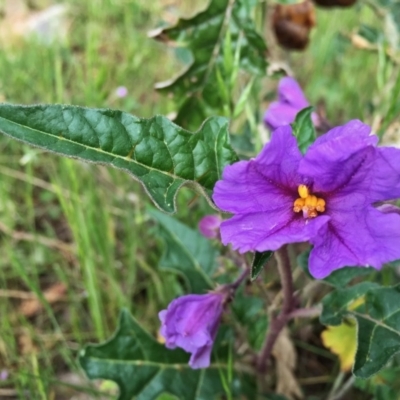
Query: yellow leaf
(341, 340)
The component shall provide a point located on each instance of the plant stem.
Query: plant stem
(281, 320)
(234, 285)
(305, 312)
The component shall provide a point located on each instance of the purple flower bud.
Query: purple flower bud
(291, 100)
(121, 91)
(209, 226)
(191, 322)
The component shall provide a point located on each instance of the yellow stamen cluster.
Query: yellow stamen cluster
(308, 203)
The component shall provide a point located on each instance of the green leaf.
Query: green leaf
(377, 312)
(214, 36)
(145, 369)
(187, 252)
(383, 386)
(303, 129)
(250, 312)
(343, 276)
(259, 262)
(336, 304)
(159, 154)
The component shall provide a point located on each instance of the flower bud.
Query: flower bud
(191, 323)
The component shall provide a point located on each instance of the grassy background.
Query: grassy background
(85, 227)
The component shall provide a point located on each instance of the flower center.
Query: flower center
(308, 203)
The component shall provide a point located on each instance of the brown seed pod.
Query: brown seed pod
(335, 3)
(292, 24)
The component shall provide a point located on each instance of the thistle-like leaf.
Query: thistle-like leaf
(222, 40)
(159, 154)
(145, 369)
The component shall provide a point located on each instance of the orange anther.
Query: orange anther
(303, 191)
(311, 202)
(320, 205)
(312, 213)
(298, 205)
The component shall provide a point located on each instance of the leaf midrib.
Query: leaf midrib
(175, 177)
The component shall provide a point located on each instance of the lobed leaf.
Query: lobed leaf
(159, 154)
(378, 320)
(146, 370)
(221, 39)
(187, 252)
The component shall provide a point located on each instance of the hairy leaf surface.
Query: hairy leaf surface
(158, 153)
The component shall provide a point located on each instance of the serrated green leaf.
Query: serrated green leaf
(187, 252)
(145, 369)
(259, 262)
(159, 154)
(223, 23)
(378, 320)
(336, 304)
(303, 129)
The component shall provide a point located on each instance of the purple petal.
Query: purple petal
(341, 159)
(269, 231)
(290, 92)
(279, 114)
(264, 183)
(385, 175)
(191, 322)
(366, 237)
(355, 130)
(201, 357)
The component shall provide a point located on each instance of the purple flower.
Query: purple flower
(291, 101)
(209, 226)
(191, 322)
(3, 375)
(326, 197)
(121, 91)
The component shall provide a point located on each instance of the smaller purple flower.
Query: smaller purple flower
(209, 226)
(191, 323)
(3, 375)
(121, 92)
(291, 100)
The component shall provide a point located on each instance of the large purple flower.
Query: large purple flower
(191, 322)
(291, 100)
(326, 197)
